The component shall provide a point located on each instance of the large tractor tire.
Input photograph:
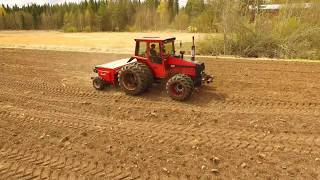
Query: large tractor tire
(134, 78)
(147, 71)
(98, 83)
(180, 87)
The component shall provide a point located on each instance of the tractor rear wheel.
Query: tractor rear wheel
(180, 87)
(133, 78)
(147, 71)
(98, 83)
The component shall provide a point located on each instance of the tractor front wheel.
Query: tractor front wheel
(98, 83)
(180, 87)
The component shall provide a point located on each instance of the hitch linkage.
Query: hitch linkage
(207, 78)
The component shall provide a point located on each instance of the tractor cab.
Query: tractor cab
(155, 51)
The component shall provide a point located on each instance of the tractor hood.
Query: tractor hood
(173, 61)
(192, 68)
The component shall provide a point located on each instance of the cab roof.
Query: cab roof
(155, 39)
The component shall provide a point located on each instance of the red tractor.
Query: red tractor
(154, 59)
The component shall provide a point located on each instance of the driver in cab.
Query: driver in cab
(154, 55)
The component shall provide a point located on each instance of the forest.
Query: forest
(121, 15)
(101, 15)
(235, 27)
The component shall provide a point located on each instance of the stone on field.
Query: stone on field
(243, 165)
(64, 139)
(214, 171)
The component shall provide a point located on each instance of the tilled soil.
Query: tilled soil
(257, 120)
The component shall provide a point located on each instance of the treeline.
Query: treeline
(101, 15)
(121, 15)
(293, 31)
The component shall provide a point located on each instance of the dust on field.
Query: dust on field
(106, 42)
(258, 120)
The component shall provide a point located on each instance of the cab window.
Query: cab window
(141, 49)
(168, 48)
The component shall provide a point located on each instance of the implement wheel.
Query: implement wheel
(98, 83)
(180, 87)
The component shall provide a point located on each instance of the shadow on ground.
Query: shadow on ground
(201, 96)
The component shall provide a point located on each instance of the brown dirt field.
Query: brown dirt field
(258, 120)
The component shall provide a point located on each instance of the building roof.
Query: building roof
(154, 38)
(271, 7)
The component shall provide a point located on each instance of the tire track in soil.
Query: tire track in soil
(18, 163)
(170, 134)
(103, 122)
(295, 107)
(170, 139)
(74, 107)
(50, 103)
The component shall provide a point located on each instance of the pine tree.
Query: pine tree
(103, 19)
(176, 7)
(28, 22)
(2, 10)
(194, 7)
(44, 21)
(181, 21)
(2, 17)
(163, 14)
(170, 7)
(152, 4)
(87, 20)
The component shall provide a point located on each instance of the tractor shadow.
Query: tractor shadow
(203, 95)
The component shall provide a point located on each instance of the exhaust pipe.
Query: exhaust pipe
(181, 52)
(193, 50)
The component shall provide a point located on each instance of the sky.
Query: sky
(23, 2)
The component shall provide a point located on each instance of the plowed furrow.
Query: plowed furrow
(259, 118)
(28, 164)
(230, 104)
(168, 134)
